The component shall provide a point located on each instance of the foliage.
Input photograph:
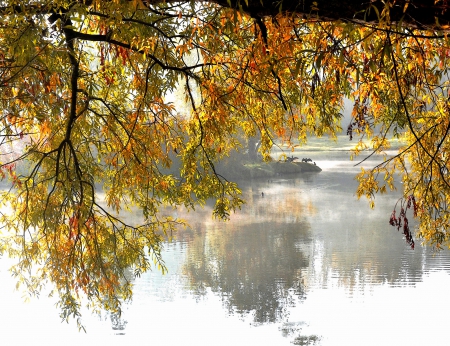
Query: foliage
(88, 129)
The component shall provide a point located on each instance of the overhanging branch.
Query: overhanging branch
(420, 14)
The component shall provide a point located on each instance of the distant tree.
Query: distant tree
(85, 96)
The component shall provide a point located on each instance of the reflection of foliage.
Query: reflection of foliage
(290, 328)
(295, 328)
(117, 322)
(306, 340)
(358, 249)
(254, 269)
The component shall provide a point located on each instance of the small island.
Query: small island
(275, 168)
(251, 170)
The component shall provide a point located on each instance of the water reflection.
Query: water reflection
(254, 262)
(307, 264)
(306, 233)
(254, 270)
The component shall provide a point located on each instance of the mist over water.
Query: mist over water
(302, 263)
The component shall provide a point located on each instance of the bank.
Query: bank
(270, 169)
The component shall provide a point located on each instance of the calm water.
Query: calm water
(307, 264)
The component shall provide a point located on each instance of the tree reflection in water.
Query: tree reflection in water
(304, 235)
(254, 262)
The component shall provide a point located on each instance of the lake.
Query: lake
(305, 264)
